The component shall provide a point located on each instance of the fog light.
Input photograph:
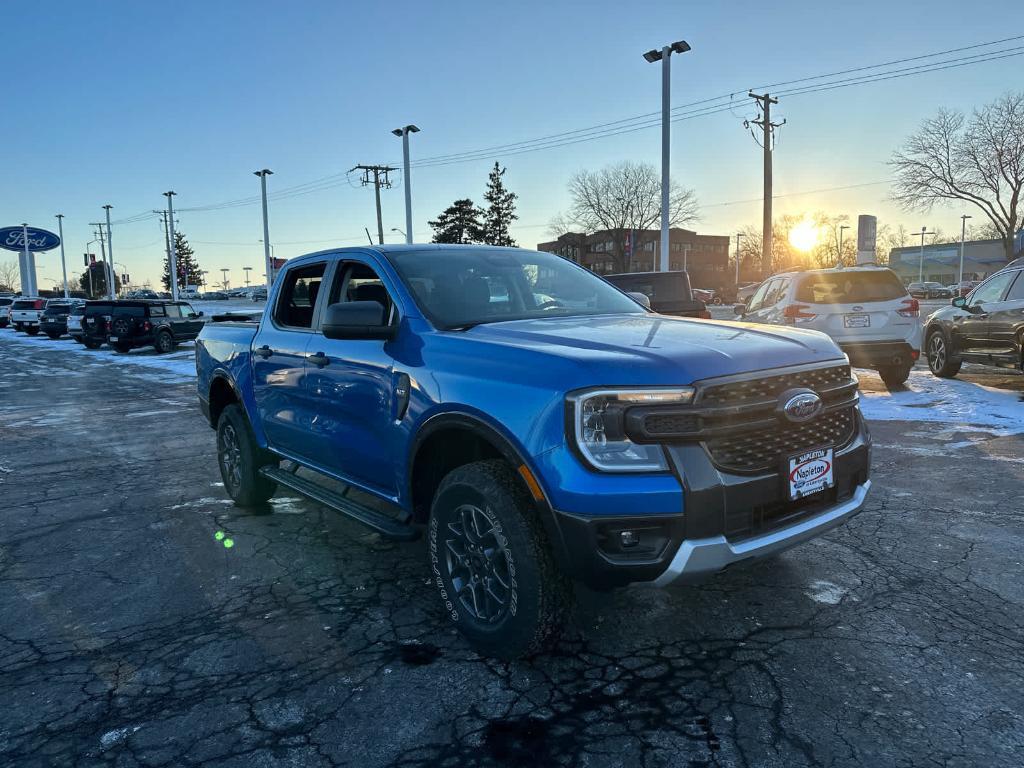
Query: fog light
(629, 539)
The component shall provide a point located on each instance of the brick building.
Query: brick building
(705, 257)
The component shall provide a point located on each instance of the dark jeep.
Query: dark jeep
(160, 324)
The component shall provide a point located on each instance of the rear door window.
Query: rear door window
(1016, 292)
(297, 300)
(850, 287)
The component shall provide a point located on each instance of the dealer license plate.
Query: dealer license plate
(856, 321)
(810, 472)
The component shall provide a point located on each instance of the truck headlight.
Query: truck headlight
(598, 423)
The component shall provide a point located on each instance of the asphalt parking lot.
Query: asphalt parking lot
(133, 635)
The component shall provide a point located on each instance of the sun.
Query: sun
(804, 236)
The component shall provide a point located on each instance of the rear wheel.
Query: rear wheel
(492, 562)
(92, 343)
(164, 342)
(894, 375)
(31, 330)
(240, 459)
(122, 347)
(17, 327)
(940, 361)
(53, 335)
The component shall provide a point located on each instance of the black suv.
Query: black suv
(669, 293)
(95, 323)
(54, 319)
(162, 324)
(5, 304)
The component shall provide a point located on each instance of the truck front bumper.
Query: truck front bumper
(726, 518)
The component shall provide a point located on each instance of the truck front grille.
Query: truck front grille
(767, 388)
(766, 447)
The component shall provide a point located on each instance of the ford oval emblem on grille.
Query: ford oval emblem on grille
(800, 406)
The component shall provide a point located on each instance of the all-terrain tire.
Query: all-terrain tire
(240, 458)
(518, 606)
(894, 375)
(164, 343)
(940, 361)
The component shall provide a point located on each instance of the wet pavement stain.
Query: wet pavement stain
(418, 654)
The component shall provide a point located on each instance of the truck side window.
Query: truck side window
(298, 296)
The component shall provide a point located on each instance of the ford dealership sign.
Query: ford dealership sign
(13, 239)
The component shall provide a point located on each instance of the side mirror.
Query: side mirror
(356, 320)
(960, 302)
(740, 309)
(640, 298)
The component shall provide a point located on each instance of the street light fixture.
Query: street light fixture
(269, 264)
(402, 233)
(404, 133)
(664, 56)
(839, 255)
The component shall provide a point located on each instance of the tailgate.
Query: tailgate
(874, 321)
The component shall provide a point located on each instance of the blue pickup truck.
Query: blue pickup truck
(539, 425)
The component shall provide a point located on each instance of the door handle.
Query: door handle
(319, 359)
(264, 351)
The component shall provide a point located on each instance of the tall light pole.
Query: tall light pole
(920, 259)
(174, 248)
(963, 236)
(408, 238)
(404, 133)
(110, 254)
(680, 46)
(224, 277)
(839, 255)
(738, 236)
(266, 227)
(246, 270)
(64, 266)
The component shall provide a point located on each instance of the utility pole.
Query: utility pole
(174, 251)
(738, 236)
(963, 236)
(920, 260)
(380, 179)
(64, 266)
(224, 278)
(110, 251)
(267, 260)
(767, 130)
(839, 255)
(167, 238)
(103, 253)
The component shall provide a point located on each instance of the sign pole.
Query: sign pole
(110, 254)
(174, 247)
(63, 264)
(28, 274)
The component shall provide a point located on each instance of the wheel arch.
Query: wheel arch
(222, 394)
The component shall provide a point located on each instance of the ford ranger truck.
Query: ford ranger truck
(541, 427)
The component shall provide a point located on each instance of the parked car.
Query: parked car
(25, 312)
(215, 296)
(745, 290)
(707, 296)
(866, 310)
(95, 323)
(257, 294)
(5, 310)
(160, 324)
(74, 321)
(54, 319)
(142, 293)
(929, 291)
(986, 327)
(669, 292)
(535, 442)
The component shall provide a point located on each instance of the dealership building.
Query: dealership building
(940, 262)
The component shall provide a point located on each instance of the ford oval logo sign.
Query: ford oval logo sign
(13, 239)
(801, 406)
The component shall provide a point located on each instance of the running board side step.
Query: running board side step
(371, 518)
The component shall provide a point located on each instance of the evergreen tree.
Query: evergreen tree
(501, 209)
(189, 272)
(99, 281)
(459, 223)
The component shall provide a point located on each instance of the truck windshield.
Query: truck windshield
(465, 287)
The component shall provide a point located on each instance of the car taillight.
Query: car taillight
(912, 308)
(794, 313)
(146, 325)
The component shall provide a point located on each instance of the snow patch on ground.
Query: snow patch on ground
(177, 367)
(952, 402)
(110, 738)
(826, 592)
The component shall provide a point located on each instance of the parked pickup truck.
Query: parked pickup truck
(540, 426)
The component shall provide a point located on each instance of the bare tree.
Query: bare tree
(10, 274)
(624, 197)
(979, 160)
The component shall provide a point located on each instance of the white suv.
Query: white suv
(866, 310)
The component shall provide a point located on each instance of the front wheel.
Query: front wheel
(492, 562)
(940, 360)
(53, 336)
(240, 459)
(164, 343)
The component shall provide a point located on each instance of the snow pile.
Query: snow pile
(952, 402)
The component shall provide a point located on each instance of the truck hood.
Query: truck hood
(652, 348)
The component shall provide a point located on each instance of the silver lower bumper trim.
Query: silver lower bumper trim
(697, 558)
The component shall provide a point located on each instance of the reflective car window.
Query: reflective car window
(992, 289)
(1016, 292)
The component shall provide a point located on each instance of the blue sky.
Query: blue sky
(118, 102)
